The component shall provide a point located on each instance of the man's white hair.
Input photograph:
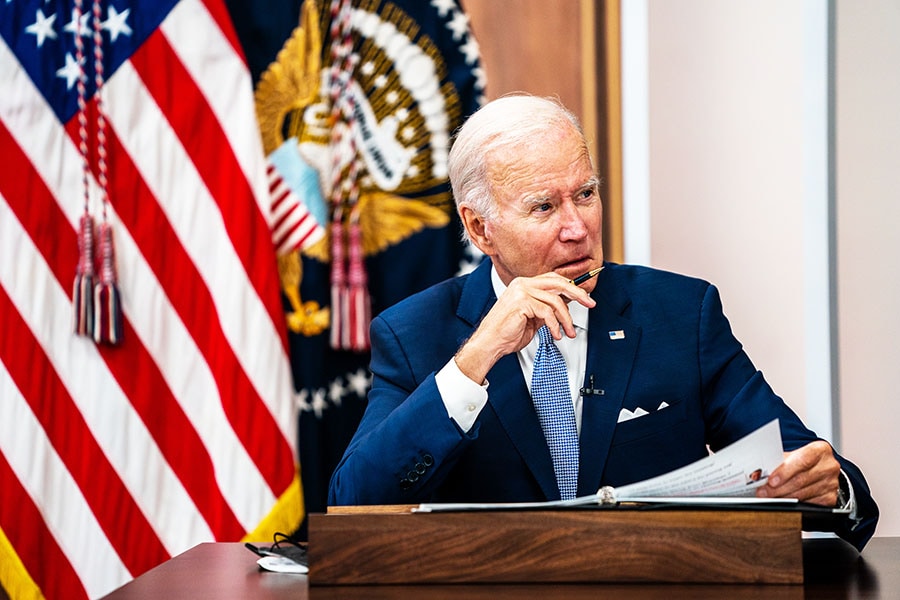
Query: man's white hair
(517, 120)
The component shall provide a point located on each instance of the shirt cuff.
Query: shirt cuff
(463, 398)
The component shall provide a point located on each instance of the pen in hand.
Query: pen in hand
(582, 278)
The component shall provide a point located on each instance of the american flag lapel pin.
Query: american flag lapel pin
(618, 334)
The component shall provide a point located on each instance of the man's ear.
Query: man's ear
(477, 229)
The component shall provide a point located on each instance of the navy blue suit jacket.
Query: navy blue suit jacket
(677, 350)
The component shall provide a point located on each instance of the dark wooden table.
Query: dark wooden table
(832, 569)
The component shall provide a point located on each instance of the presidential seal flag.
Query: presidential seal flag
(357, 107)
(145, 385)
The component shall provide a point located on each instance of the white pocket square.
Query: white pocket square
(627, 415)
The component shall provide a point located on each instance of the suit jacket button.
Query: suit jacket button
(412, 476)
(428, 460)
(405, 484)
(420, 468)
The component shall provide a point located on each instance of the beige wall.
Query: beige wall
(738, 194)
(726, 177)
(868, 240)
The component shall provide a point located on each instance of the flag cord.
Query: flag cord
(350, 302)
(96, 298)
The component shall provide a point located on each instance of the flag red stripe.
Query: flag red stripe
(139, 212)
(130, 364)
(305, 237)
(24, 525)
(195, 124)
(273, 183)
(281, 197)
(116, 512)
(290, 215)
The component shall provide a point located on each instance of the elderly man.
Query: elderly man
(487, 387)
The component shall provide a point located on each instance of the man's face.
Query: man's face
(548, 211)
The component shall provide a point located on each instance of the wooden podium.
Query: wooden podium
(392, 545)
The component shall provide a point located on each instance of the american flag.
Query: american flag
(115, 458)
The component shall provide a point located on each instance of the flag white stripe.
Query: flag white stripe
(292, 239)
(45, 477)
(109, 415)
(197, 221)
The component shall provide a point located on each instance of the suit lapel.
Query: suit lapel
(612, 344)
(508, 394)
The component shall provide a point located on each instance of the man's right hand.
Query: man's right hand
(527, 304)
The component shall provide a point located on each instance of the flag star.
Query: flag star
(71, 72)
(444, 6)
(359, 382)
(318, 402)
(335, 391)
(80, 27)
(459, 25)
(300, 400)
(470, 50)
(42, 27)
(480, 78)
(115, 23)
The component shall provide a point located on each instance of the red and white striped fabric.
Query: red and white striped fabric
(293, 226)
(113, 459)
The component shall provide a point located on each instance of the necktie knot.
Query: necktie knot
(544, 336)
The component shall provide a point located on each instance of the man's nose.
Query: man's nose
(572, 225)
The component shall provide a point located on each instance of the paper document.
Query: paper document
(731, 475)
(735, 471)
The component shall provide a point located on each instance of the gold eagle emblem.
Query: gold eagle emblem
(402, 113)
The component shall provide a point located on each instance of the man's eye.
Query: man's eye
(543, 207)
(586, 194)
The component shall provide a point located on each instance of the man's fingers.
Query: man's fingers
(809, 474)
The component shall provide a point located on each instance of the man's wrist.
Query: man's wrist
(473, 361)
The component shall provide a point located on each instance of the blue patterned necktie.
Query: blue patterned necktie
(553, 401)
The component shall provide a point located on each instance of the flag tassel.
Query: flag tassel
(83, 288)
(338, 286)
(107, 302)
(359, 301)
